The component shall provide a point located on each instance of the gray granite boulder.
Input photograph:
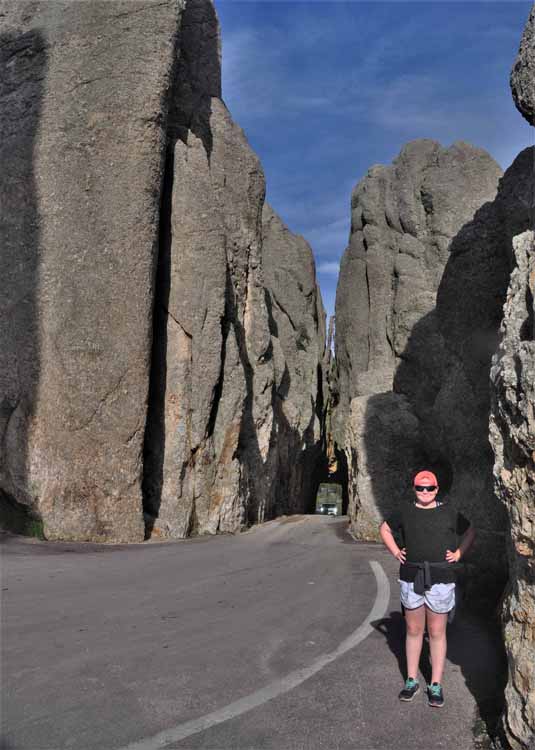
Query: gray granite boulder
(425, 278)
(209, 268)
(227, 434)
(145, 377)
(389, 347)
(82, 142)
(523, 73)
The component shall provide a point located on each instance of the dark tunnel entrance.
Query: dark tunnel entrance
(330, 485)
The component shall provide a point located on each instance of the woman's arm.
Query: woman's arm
(386, 535)
(464, 546)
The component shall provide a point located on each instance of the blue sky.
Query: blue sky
(324, 90)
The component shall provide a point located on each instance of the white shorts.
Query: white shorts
(440, 598)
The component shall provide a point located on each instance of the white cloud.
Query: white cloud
(332, 269)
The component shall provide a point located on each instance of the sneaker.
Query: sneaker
(409, 691)
(435, 696)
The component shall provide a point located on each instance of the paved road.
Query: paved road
(287, 637)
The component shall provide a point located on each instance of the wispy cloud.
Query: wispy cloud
(325, 90)
(329, 268)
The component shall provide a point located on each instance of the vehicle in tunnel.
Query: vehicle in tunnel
(328, 509)
(329, 499)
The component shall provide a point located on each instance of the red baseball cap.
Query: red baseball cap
(425, 477)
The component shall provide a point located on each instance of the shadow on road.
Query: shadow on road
(6, 745)
(393, 629)
(475, 647)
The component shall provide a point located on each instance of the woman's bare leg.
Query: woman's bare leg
(436, 627)
(415, 623)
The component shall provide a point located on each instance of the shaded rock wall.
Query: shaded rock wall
(298, 339)
(142, 360)
(403, 219)
(425, 276)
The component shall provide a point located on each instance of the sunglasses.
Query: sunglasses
(425, 488)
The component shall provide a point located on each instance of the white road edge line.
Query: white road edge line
(273, 690)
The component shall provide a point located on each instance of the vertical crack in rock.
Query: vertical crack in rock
(23, 71)
(368, 294)
(154, 441)
(218, 388)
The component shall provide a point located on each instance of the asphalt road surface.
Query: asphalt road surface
(287, 637)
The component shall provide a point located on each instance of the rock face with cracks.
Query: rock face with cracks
(82, 138)
(146, 379)
(523, 73)
(297, 325)
(220, 450)
(513, 439)
(512, 434)
(424, 279)
(389, 347)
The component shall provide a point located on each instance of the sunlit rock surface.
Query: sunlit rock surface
(82, 141)
(513, 440)
(145, 386)
(523, 73)
(512, 434)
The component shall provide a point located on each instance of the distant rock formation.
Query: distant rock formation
(146, 380)
(418, 308)
(298, 337)
(512, 435)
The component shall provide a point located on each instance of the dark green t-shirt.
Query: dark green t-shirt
(426, 534)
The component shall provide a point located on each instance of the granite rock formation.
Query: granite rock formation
(424, 278)
(403, 220)
(297, 325)
(523, 73)
(83, 135)
(144, 384)
(513, 440)
(512, 434)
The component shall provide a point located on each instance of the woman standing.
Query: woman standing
(430, 529)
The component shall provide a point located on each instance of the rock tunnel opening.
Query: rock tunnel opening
(330, 487)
